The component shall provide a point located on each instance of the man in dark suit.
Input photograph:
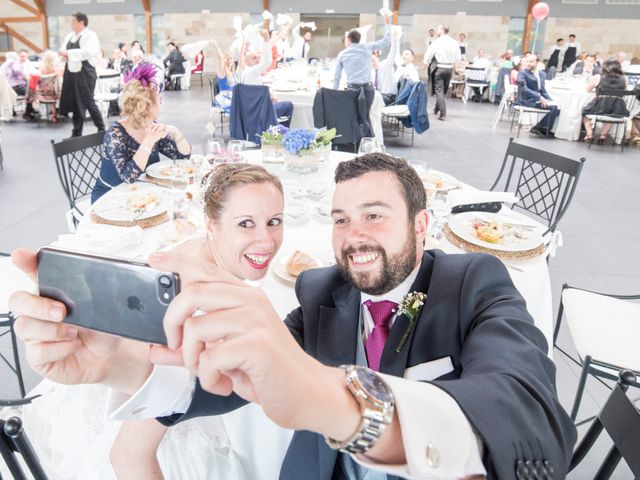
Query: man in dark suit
(484, 402)
(532, 93)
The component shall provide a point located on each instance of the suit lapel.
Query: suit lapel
(392, 362)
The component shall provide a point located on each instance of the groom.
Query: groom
(478, 397)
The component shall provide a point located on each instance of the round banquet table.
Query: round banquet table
(571, 97)
(245, 439)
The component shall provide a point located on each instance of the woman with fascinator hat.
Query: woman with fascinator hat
(135, 142)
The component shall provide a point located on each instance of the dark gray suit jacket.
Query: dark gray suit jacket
(503, 380)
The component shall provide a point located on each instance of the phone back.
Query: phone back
(107, 294)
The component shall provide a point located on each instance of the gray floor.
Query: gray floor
(601, 231)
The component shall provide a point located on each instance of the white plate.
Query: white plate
(162, 170)
(116, 207)
(280, 268)
(295, 212)
(448, 182)
(322, 212)
(461, 225)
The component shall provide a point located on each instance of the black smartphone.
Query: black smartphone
(112, 295)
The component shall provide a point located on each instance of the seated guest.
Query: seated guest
(587, 68)
(633, 66)
(405, 69)
(235, 191)
(136, 45)
(48, 85)
(506, 59)
(124, 48)
(382, 69)
(579, 60)
(513, 75)
(16, 71)
(458, 75)
(532, 93)
(254, 65)
(484, 406)
(135, 142)
(226, 78)
(119, 61)
(174, 65)
(610, 78)
(481, 60)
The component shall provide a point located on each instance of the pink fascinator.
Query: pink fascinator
(145, 73)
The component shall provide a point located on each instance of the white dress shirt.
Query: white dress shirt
(439, 441)
(407, 71)
(445, 50)
(386, 84)
(253, 75)
(236, 49)
(296, 49)
(88, 51)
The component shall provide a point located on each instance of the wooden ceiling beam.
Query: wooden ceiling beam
(19, 19)
(12, 33)
(27, 7)
(41, 6)
(396, 9)
(146, 4)
(527, 26)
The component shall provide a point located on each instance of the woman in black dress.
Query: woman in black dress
(611, 77)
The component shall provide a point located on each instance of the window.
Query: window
(5, 42)
(158, 41)
(516, 34)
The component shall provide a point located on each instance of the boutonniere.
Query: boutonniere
(410, 307)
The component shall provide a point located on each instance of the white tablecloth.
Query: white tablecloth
(571, 99)
(255, 442)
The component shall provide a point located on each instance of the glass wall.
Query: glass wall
(328, 39)
(158, 40)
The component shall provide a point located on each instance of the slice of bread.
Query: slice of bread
(299, 262)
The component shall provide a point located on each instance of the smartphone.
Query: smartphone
(111, 295)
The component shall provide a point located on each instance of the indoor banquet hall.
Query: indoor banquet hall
(277, 239)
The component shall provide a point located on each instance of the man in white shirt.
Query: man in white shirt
(301, 43)
(441, 56)
(405, 69)
(383, 75)
(481, 61)
(80, 49)
(478, 396)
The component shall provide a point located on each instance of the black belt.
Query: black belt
(358, 85)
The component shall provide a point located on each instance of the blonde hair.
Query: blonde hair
(135, 102)
(229, 175)
(48, 62)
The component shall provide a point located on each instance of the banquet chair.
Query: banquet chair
(14, 444)
(605, 329)
(218, 112)
(105, 92)
(629, 99)
(620, 418)
(344, 110)
(633, 79)
(78, 164)
(525, 112)
(475, 77)
(252, 112)
(10, 279)
(543, 181)
(506, 101)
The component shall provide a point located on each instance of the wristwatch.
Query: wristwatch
(376, 406)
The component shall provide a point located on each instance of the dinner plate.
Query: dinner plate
(279, 268)
(447, 182)
(322, 212)
(461, 225)
(295, 212)
(129, 206)
(162, 170)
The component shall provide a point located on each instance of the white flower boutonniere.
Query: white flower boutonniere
(410, 306)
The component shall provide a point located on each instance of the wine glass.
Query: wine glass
(197, 156)
(367, 145)
(215, 150)
(440, 209)
(235, 151)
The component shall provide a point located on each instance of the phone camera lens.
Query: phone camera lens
(165, 281)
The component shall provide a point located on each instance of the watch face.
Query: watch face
(374, 385)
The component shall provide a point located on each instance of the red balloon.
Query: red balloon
(540, 11)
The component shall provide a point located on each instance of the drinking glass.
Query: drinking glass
(368, 145)
(179, 177)
(178, 205)
(215, 151)
(235, 151)
(440, 209)
(197, 156)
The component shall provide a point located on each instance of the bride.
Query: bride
(244, 224)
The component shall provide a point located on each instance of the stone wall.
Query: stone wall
(30, 30)
(111, 29)
(603, 36)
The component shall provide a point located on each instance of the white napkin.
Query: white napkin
(467, 196)
(283, 19)
(237, 24)
(101, 239)
(267, 15)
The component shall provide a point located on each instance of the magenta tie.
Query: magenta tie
(381, 313)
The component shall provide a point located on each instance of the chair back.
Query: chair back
(543, 181)
(633, 79)
(78, 164)
(252, 112)
(46, 85)
(343, 110)
(213, 89)
(475, 74)
(621, 420)
(626, 98)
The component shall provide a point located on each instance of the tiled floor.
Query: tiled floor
(601, 231)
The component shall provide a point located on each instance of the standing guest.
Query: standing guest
(16, 71)
(532, 93)
(135, 142)
(610, 78)
(441, 56)
(556, 55)
(80, 49)
(571, 52)
(174, 65)
(301, 43)
(464, 46)
(355, 60)
(431, 37)
(405, 68)
(383, 75)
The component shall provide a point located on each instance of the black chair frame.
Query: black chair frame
(589, 365)
(545, 182)
(14, 440)
(531, 110)
(629, 97)
(621, 420)
(482, 84)
(7, 321)
(78, 164)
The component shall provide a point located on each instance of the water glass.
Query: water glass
(197, 156)
(178, 205)
(235, 151)
(179, 177)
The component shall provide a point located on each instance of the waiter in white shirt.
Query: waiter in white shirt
(442, 55)
(80, 48)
